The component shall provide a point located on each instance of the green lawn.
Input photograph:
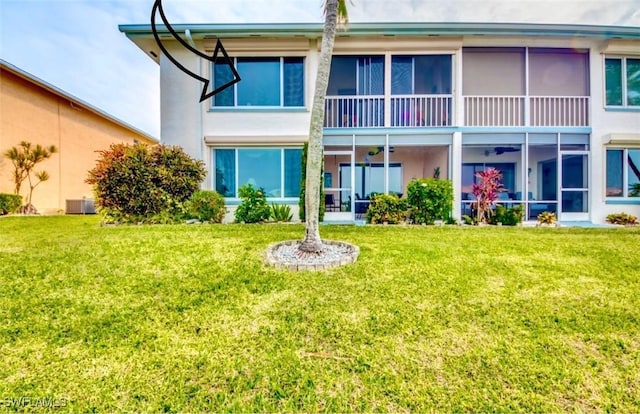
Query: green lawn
(188, 318)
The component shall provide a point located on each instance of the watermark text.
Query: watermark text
(33, 402)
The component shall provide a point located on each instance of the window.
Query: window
(276, 170)
(622, 79)
(266, 82)
(623, 172)
(356, 75)
(421, 75)
(507, 170)
(370, 178)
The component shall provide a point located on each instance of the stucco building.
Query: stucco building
(36, 111)
(556, 108)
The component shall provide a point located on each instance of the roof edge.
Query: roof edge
(4, 65)
(389, 28)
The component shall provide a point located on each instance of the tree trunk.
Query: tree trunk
(312, 242)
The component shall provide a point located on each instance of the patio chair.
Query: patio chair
(330, 202)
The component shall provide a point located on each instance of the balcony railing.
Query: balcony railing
(494, 110)
(354, 111)
(421, 110)
(559, 111)
(511, 111)
(368, 111)
(361, 111)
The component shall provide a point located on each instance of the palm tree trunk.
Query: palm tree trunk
(312, 242)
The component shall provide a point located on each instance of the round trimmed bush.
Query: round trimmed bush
(207, 206)
(141, 183)
(9, 203)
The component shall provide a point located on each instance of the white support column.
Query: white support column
(456, 173)
(456, 144)
(386, 164)
(527, 99)
(387, 89)
(458, 99)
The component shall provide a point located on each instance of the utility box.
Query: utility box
(81, 206)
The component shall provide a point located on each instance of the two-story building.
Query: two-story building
(555, 108)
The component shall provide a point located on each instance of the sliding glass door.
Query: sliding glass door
(574, 189)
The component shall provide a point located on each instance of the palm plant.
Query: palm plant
(335, 13)
(24, 158)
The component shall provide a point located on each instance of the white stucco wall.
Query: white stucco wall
(179, 102)
(604, 124)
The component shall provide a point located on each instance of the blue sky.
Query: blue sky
(76, 46)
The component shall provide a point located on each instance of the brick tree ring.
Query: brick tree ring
(285, 255)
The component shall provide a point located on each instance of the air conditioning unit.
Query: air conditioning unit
(81, 206)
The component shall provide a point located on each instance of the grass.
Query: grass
(188, 318)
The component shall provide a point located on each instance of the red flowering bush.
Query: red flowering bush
(486, 191)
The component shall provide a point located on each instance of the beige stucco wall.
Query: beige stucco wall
(29, 112)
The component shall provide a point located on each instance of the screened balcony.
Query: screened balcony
(420, 94)
(501, 87)
(525, 87)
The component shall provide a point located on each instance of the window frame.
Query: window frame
(624, 83)
(281, 106)
(238, 184)
(414, 72)
(625, 175)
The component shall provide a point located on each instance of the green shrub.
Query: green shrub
(141, 183)
(468, 220)
(508, 216)
(634, 190)
(206, 206)
(386, 208)
(622, 218)
(546, 217)
(281, 212)
(430, 199)
(9, 203)
(254, 207)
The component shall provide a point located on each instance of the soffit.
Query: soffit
(347, 44)
(259, 44)
(248, 140)
(622, 47)
(626, 140)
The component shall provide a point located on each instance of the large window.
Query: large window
(265, 82)
(276, 170)
(623, 172)
(622, 78)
